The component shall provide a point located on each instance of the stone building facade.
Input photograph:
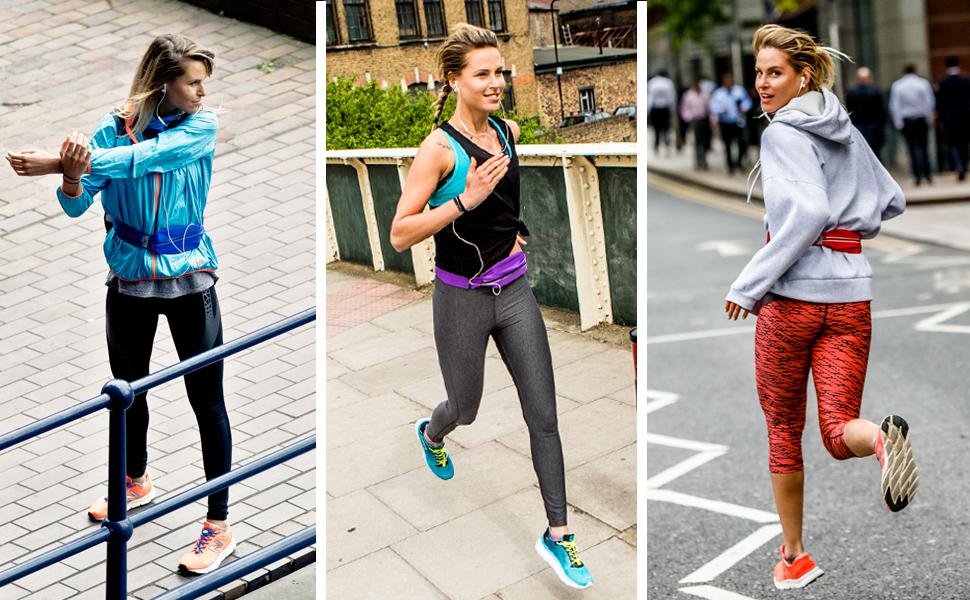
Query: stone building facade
(590, 82)
(393, 42)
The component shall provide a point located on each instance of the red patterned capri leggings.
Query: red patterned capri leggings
(832, 340)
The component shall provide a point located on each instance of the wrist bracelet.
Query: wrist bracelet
(458, 203)
(71, 180)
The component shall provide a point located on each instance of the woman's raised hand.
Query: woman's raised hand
(482, 179)
(75, 155)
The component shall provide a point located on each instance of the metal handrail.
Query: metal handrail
(117, 396)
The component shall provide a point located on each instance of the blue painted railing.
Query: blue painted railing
(117, 395)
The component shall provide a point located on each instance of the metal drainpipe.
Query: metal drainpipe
(555, 47)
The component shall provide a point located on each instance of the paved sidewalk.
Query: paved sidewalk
(392, 526)
(64, 65)
(936, 213)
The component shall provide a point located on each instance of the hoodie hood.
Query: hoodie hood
(819, 113)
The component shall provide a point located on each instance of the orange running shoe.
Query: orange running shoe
(213, 547)
(795, 574)
(900, 477)
(139, 494)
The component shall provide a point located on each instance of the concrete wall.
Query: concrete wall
(391, 60)
(614, 85)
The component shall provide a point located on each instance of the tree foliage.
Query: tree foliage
(371, 117)
(690, 20)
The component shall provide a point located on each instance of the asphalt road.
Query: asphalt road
(707, 433)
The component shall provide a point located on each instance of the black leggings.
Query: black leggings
(196, 326)
(463, 322)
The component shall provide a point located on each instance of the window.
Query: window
(358, 20)
(508, 98)
(407, 19)
(332, 37)
(473, 10)
(587, 100)
(434, 17)
(496, 15)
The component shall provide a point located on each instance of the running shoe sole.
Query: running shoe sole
(133, 504)
(900, 477)
(794, 584)
(556, 567)
(229, 550)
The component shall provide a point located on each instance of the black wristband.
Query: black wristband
(458, 203)
(71, 180)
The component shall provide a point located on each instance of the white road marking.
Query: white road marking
(697, 335)
(724, 508)
(933, 323)
(878, 314)
(724, 247)
(666, 440)
(733, 555)
(682, 468)
(713, 593)
(657, 400)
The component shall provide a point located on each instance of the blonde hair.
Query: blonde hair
(450, 58)
(162, 63)
(802, 51)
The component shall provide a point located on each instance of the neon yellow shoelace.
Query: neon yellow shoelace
(570, 548)
(440, 456)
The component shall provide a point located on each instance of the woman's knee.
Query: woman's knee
(833, 438)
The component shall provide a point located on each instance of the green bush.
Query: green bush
(371, 117)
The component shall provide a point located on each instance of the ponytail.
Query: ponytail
(439, 104)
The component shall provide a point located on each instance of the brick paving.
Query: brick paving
(392, 526)
(64, 65)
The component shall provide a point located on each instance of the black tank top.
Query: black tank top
(491, 226)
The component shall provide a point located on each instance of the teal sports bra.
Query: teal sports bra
(454, 184)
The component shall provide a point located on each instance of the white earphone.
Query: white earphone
(455, 87)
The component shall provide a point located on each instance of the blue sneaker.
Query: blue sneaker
(437, 458)
(563, 557)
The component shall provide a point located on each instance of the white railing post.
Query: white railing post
(333, 250)
(373, 235)
(589, 244)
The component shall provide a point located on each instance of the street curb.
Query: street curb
(264, 576)
(731, 188)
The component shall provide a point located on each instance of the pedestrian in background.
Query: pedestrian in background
(728, 105)
(911, 104)
(953, 107)
(694, 112)
(661, 102)
(867, 109)
(810, 285)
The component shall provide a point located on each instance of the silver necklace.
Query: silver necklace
(491, 141)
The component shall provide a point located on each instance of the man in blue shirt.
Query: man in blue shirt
(728, 105)
(911, 104)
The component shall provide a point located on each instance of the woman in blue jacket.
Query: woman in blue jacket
(151, 161)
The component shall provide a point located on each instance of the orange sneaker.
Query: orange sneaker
(795, 574)
(139, 494)
(213, 547)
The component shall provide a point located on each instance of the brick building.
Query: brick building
(597, 55)
(393, 41)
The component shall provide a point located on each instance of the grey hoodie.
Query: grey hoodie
(818, 174)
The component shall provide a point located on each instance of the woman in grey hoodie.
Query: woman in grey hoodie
(810, 285)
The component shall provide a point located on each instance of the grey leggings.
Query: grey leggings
(463, 321)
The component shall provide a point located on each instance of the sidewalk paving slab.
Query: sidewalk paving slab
(472, 536)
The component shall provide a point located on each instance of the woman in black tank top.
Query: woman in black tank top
(468, 172)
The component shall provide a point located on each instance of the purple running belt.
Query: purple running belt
(498, 275)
